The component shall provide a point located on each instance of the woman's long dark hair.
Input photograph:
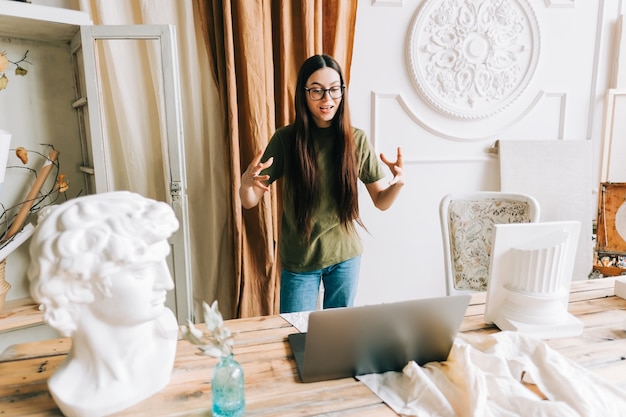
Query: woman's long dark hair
(303, 175)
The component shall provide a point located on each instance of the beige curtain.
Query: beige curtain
(136, 154)
(238, 64)
(257, 48)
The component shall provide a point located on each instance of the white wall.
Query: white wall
(403, 256)
(445, 152)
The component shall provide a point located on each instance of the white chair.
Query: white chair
(467, 221)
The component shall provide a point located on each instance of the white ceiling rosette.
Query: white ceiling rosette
(470, 59)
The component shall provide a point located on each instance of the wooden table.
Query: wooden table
(272, 384)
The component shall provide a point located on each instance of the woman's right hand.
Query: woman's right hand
(251, 177)
(254, 185)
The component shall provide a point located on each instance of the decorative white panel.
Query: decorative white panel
(563, 101)
(560, 3)
(471, 59)
(464, 130)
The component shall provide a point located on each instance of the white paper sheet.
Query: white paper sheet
(299, 320)
(483, 378)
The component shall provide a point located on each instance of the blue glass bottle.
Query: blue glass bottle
(227, 388)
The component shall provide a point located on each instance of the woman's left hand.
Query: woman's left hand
(395, 167)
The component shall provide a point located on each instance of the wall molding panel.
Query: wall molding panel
(562, 98)
(461, 128)
(563, 4)
(594, 86)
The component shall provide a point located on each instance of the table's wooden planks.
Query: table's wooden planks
(252, 324)
(17, 379)
(317, 399)
(259, 337)
(24, 390)
(20, 313)
(272, 388)
(40, 405)
(376, 410)
(272, 383)
(38, 349)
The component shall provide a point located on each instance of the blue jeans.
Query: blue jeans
(299, 291)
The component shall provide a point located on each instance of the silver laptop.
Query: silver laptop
(346, 342)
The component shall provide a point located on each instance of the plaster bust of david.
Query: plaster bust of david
(98, 268)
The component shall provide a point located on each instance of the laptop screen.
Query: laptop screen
(354, 341)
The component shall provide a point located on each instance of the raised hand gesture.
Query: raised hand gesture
(395, 167)
(251, 177)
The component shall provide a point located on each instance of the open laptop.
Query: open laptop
(352, 341)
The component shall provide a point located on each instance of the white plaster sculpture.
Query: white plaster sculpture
(98, 268)
(529, 278)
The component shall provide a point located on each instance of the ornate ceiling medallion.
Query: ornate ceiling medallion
(472, 58)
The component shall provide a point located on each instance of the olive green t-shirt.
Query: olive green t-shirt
(330, 242)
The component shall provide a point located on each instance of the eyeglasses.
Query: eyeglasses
(316, 93)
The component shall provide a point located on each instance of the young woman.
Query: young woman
(321, 157)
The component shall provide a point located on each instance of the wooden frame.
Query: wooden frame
(614, 137)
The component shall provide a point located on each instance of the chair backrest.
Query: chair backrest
(467, 221)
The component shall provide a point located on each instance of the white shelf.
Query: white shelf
(42, 23)
(17, 240)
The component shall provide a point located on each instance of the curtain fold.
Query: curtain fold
(257, 48)
(238, 63)
(239, 35)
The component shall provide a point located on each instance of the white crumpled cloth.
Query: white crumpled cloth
(483, 378)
